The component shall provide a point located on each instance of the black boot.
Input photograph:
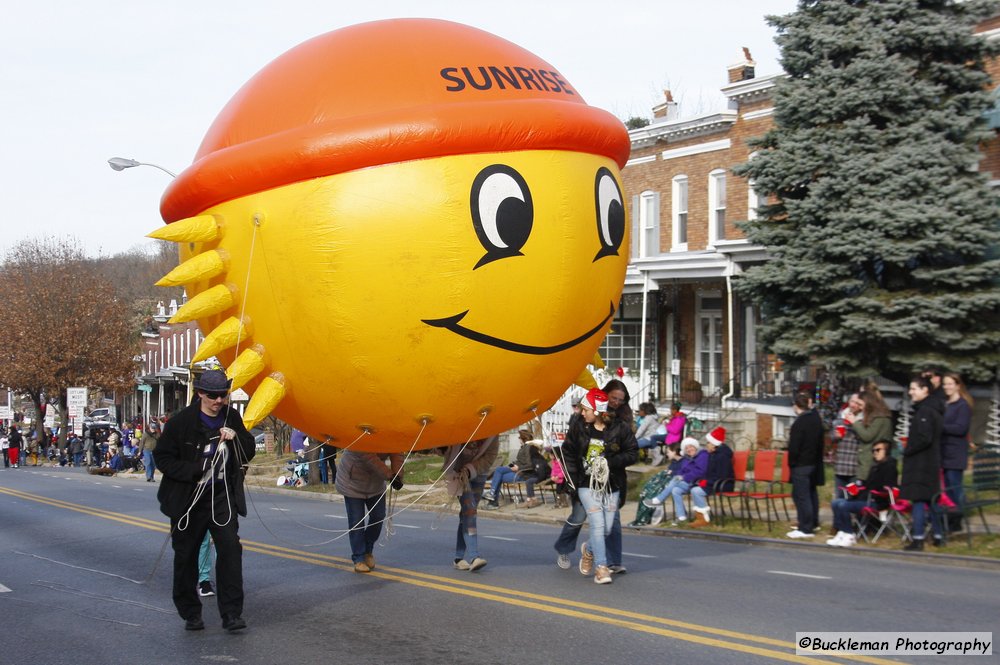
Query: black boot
(916, 545)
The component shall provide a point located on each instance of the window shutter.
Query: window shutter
(654, 249)
(635, 227)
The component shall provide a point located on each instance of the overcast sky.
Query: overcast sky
(82, 82)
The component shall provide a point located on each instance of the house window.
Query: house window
(622, 345)
(716, 205)
(649, 224)
(756, 200)
(679, 198)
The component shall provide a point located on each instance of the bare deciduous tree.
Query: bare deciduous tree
(63, 325)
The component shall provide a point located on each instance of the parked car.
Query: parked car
(101, 416)
(258, 439)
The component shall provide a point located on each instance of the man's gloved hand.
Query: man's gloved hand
(397, 483)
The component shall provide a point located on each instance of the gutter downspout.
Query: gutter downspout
(730, 269)
(642, 333)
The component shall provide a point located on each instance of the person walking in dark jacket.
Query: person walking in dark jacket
(202, 455)
(805, 459)
(922, 459)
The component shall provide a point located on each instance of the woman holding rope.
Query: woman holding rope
(202, 454)
(597, 449)
(465, 469)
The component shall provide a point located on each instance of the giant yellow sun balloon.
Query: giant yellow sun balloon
(398, 227)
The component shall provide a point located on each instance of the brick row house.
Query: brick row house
(700, 341)
(680, 330)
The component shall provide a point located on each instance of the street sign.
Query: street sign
(144, 388)
(76, 397)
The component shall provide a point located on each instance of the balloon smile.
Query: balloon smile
(452, 323)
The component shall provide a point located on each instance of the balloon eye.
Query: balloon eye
(502, 212)
(610, 213)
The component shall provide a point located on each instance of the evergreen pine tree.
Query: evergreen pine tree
(883, 240)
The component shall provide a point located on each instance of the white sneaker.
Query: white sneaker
(850, 540)
(798, 535)
(838, 539)
(563, 561)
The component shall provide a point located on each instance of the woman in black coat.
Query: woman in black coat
(922, 460)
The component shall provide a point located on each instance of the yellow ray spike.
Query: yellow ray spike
(586, 380)
(193, 229)
(227, 334)
(598, 361)
(249, 364)
(202, 266)
(270, 391)
(217, 299)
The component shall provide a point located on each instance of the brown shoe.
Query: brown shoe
(362, 567)
(532, 502)
(586, 560)
(602, 575)
(699, 520)
(370, 561)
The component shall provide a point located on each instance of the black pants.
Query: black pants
(229, 556)
(805, 497)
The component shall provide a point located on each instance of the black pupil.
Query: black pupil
(514, 222)
(616, 223)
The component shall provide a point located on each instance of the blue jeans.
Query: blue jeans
(699, 497)
(327, 465)
(600, 518)
(842, 511)
(147, 461)
(953, 478)
(920, 510)
(646, 442)
(467, 540)
(501, 475)
(566, 542)
(675, 482)
(363, 536)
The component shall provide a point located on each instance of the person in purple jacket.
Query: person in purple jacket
(693, 468)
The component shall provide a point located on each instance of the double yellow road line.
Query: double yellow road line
(619, 618)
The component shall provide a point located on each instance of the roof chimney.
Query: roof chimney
(742, 71)
(667, 110)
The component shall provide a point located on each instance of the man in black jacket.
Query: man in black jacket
(202, 454)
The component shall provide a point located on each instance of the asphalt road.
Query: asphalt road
(83, 582)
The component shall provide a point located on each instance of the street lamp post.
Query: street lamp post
(121, 163)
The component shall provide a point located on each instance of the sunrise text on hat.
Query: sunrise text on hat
(515, 77)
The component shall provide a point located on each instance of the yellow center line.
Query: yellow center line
(560, 606)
